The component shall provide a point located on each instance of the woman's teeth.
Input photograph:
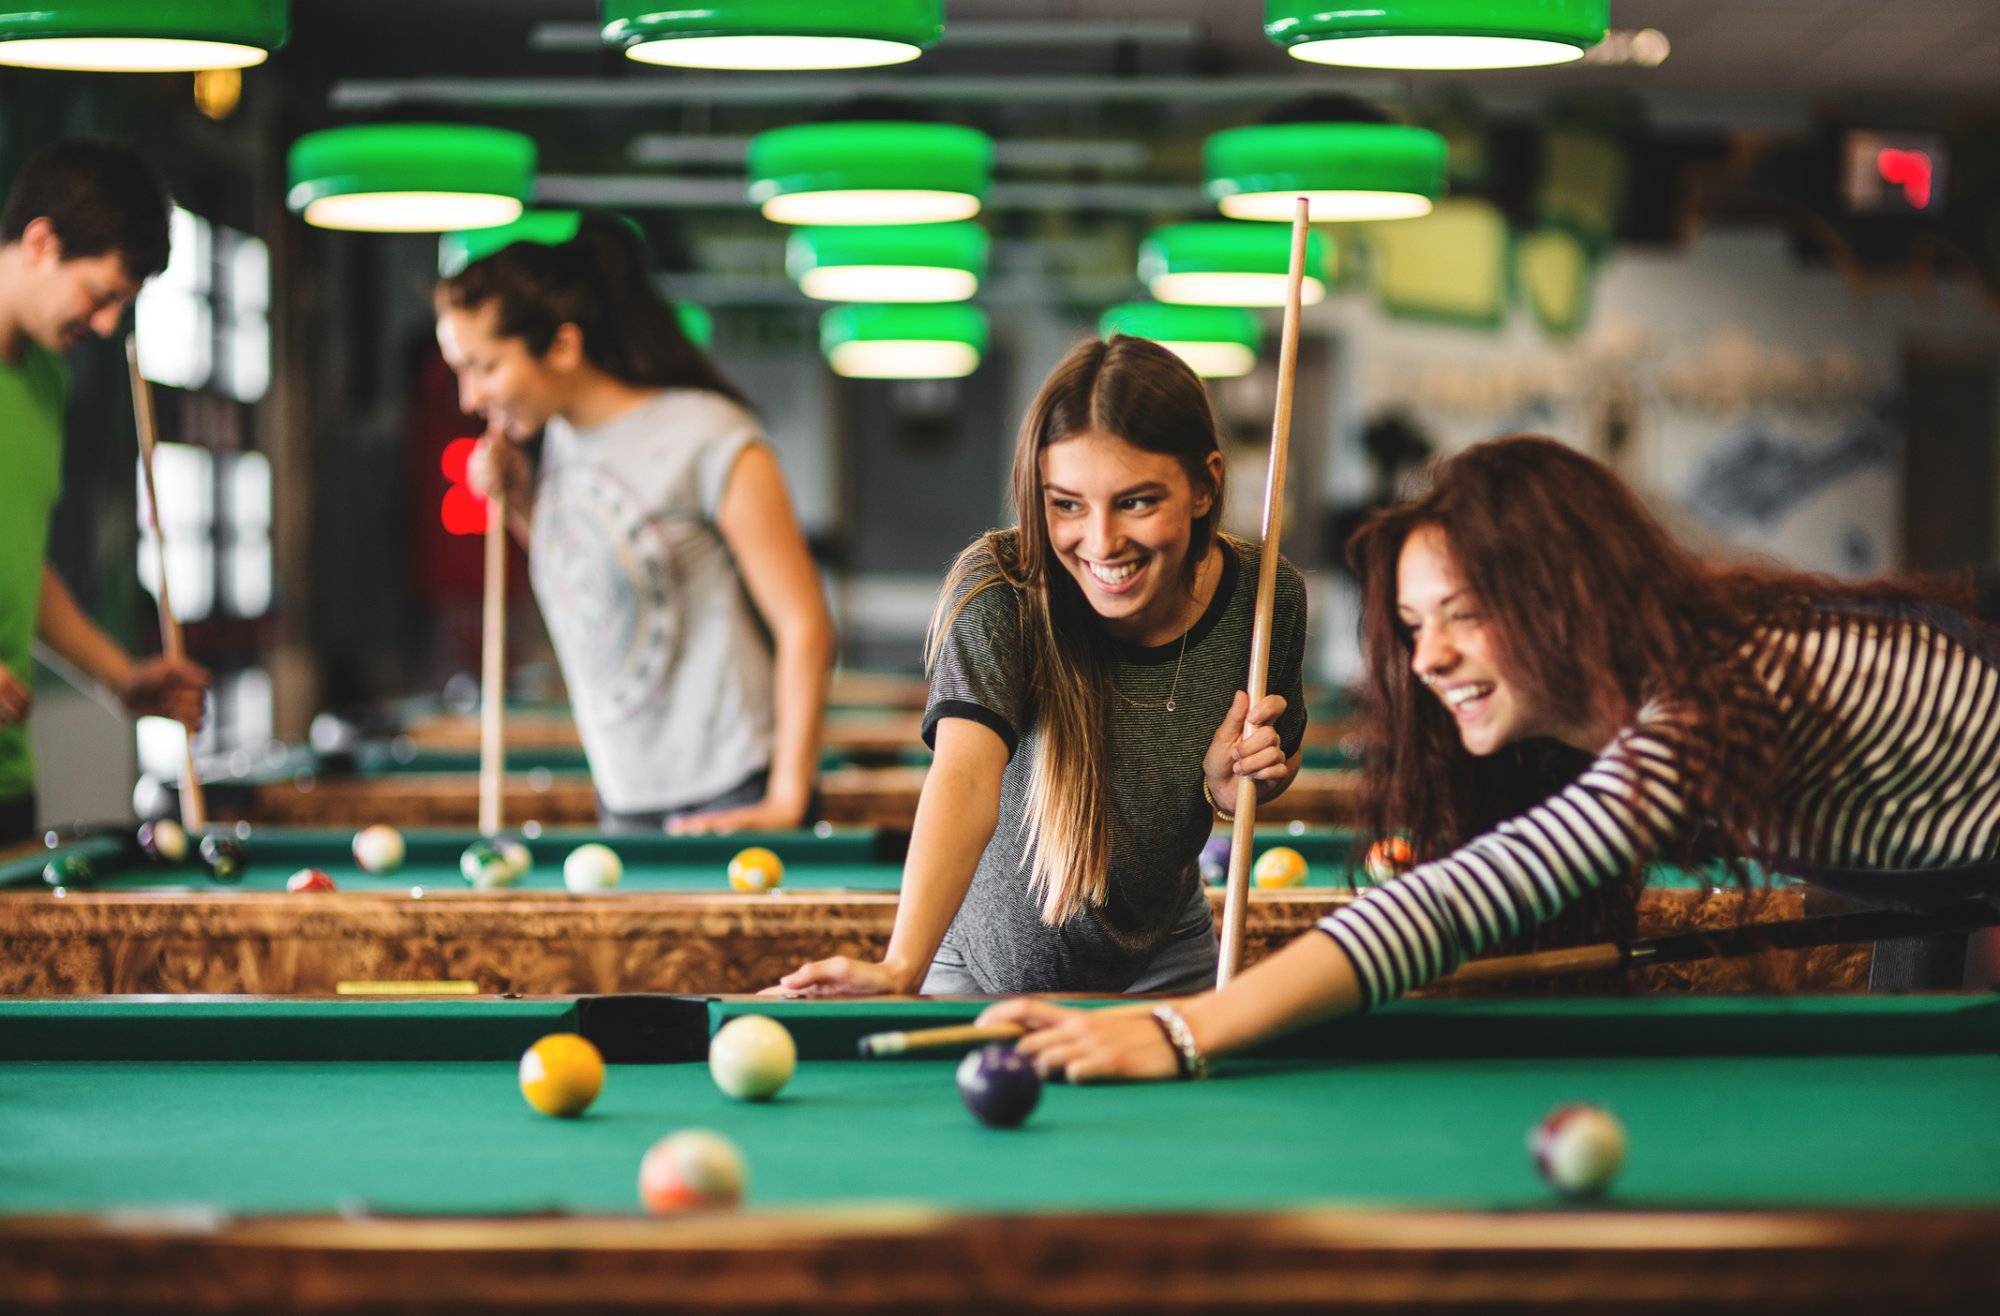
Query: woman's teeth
(1117, 575)
(1465, 694)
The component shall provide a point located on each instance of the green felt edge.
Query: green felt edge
(669, 1027)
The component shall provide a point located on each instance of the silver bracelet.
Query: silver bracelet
(1192, 1062)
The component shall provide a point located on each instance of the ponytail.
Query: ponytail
(601, 282)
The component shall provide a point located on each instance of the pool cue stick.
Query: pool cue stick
(493, 660)
(1723, 943)
(876, 1045)
(1237, 898)
(194, 805)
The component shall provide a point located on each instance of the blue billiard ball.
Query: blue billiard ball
(1214, 861)
(999, 1085)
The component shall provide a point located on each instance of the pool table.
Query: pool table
(1799, 1154)
(672, 924)
(294, 790)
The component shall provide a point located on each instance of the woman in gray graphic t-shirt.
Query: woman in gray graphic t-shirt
(685, 609)
(1085, 706)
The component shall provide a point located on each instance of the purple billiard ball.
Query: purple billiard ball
(999, 1085)
(1214, 861)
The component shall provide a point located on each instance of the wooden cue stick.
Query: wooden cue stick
(1244, 838)
(932, 1039)
(194, 805)
(493, 664)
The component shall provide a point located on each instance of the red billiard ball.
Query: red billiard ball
(310, 879)
(691, 1170)
(1578, 1149)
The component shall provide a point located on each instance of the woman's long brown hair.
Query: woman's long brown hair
(1596, 608)
(1144, 394)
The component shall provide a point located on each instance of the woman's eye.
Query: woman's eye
(1139, 504)
(1063, 504)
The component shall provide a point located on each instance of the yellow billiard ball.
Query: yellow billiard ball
(1280, 866)
(562, 1074)
(756, 869)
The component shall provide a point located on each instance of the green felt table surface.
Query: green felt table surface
(823, 859)
(1745, 1102)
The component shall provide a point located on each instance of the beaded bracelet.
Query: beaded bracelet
(1193, 1063)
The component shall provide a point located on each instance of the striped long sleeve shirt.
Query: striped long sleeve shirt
(1890, 749)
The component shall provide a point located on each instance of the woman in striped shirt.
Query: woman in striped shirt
(1563, 695)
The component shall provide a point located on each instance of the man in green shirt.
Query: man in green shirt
(83, 226)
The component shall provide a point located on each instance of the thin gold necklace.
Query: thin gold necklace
(1174, 686)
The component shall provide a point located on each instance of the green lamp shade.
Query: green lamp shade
(774, 34)
(548, 227)
(696, 323)
(866, 341)
(1217, 342)
(1346, 171)
(143, 36)
(410, 177)
(870, 172)
(1437, 34)
(1228, 264)
(888, 262)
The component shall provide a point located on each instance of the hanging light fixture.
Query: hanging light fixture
(696, 323)
(410, 177)
(1437, 34)
(1230, 264)
(940, 341)
(888, 262)
(1346, 171)
(870, 172)
(773, 34)
(1217, 342)
(143, 36)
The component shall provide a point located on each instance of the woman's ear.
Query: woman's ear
(1204, 497)
(565, 349)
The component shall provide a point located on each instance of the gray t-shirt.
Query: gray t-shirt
(1159, 819)
(669, 667)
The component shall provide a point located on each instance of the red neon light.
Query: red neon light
(463, 512)
(457, 454)
(1909, 170)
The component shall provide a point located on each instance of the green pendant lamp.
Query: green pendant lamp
(696, 323)
(1230, 264)
(870, 172)
(143, 36)
(866, 341)
(1217, 342)
(1347, 171)
(888, 262)
(410, 177)
(773, 34)
(1437, 34)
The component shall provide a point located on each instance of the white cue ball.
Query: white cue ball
(379, 849)
(592, 867)
(1579, 1149)
(752, 1058)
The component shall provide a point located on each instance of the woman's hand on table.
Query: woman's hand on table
(843, 975)
(1089, 1046)
(767, 815)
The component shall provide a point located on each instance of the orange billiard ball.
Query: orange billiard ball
(1280, 866)
(756, 869)
(562, 1074)
(1388, 858)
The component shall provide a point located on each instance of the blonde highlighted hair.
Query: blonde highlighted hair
(1137, 390)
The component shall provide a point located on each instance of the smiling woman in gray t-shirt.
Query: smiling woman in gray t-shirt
(1085, 706)
(686, 611)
